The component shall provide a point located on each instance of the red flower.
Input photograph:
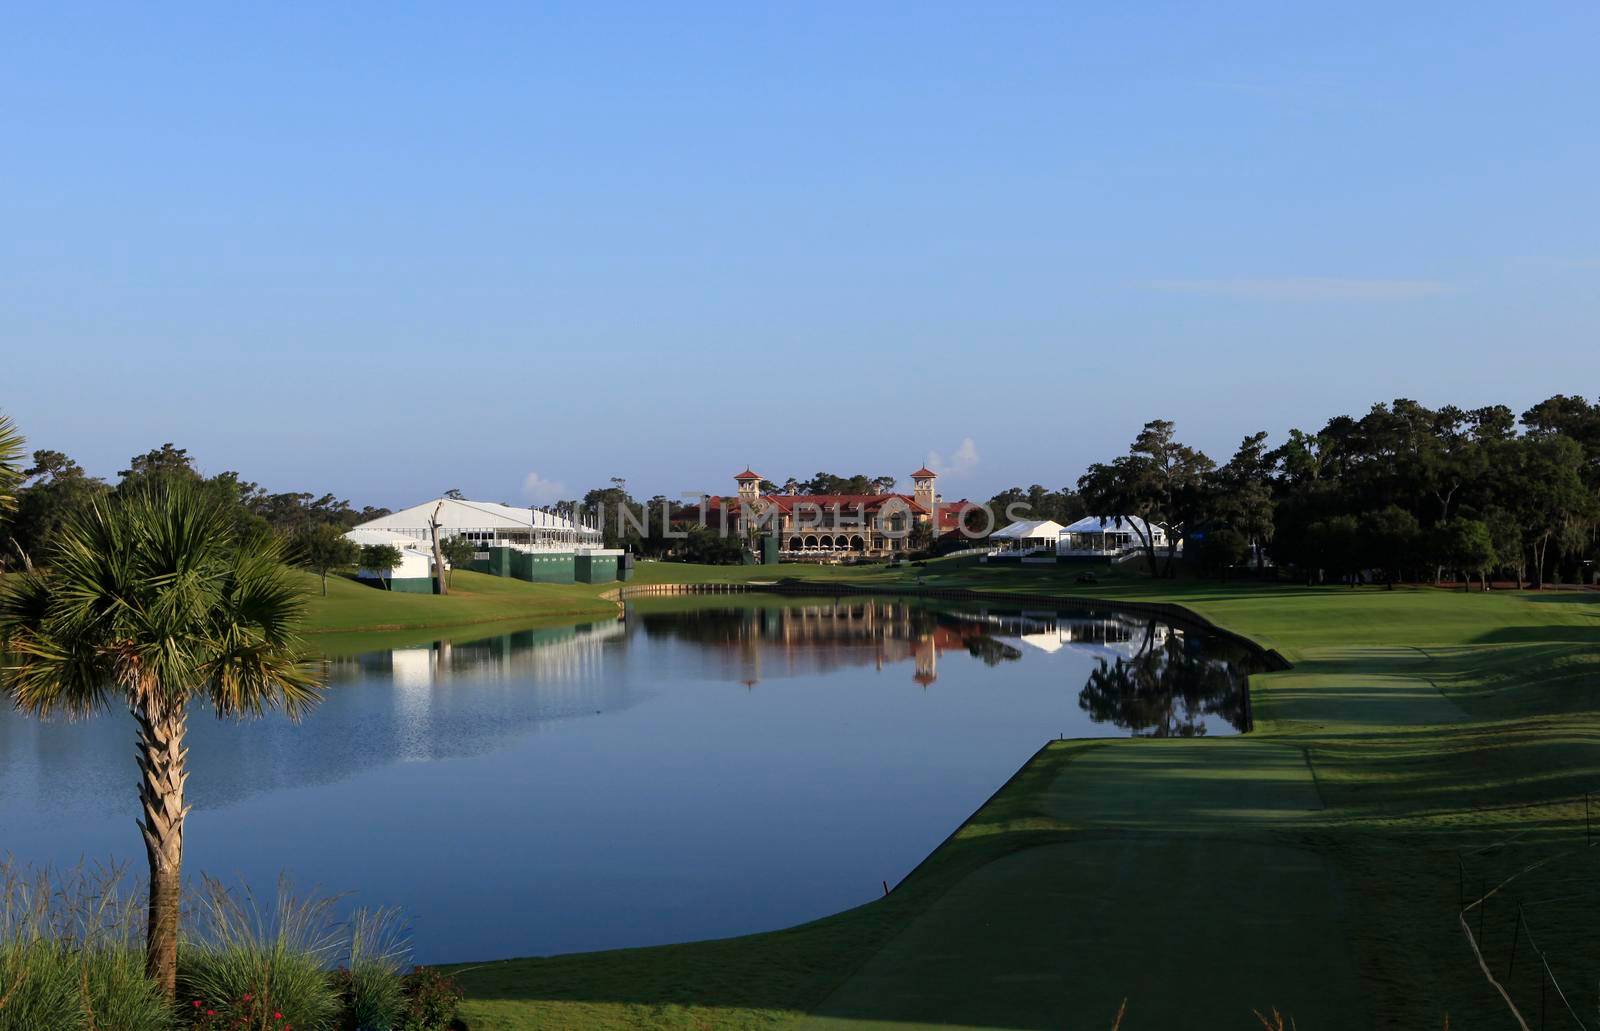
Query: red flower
(277, 1016)
(197, 1004)
(211, 1013)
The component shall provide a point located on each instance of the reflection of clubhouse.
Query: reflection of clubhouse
(804, 640)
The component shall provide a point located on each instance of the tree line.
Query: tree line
(1403, 492)
(48, 489)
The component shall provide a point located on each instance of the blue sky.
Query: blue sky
(663, 242)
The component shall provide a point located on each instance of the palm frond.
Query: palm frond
(12, 447)
(152, 595)
(44, 674)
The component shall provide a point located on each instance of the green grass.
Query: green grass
(355, 617)
(354, 607)
(474, 597)
(1312, 866)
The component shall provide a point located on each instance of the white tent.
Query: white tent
(416, 560)
(1028, 529)
(487, 523)
(363, 536)
(1028, 533)
(1108, 535)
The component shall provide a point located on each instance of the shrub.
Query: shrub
(40, 986)
(370, 988)
(242, 970)
(432, 1000)
(72, 959)
(69, 954)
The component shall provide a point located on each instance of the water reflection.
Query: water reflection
(1170, 687)
(1149, 677)
(681, 772)
(763, 642)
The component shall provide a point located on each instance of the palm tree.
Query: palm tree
(11, 452)
(152, 602)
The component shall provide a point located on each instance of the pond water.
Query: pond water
(686, 771)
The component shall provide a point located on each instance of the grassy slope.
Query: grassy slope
(1434, 723)
(474, 597)
(351, 606)
(355, 617)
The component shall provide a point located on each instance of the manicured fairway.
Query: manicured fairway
(1179, 896)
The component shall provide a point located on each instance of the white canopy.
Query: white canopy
(363, 537)
(457, 516)
(1028, 530)
(1101, 524)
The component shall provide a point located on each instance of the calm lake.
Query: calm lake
(687, 771)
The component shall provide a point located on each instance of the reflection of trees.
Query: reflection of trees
(702, 625)
(992, 651)
(1166, 690)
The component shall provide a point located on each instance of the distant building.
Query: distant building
(835, 525)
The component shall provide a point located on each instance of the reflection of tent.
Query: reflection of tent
(1047, 642)
(1028, 533)
(412, 668)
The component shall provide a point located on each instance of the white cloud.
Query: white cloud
(961, 462)
(1306, 288)
(541, 491)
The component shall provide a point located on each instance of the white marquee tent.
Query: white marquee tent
(1027, 533)
(1107, 535)
(487, 524)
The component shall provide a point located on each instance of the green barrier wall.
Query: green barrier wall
(595, 569)
(551, 568)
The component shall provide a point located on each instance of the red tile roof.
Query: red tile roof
(951, 512)
(924, 471)
(866, 502)
(748, 475)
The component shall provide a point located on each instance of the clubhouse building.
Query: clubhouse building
(832, 526)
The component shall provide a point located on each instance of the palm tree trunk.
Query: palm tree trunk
(162, 759)
(440, 584)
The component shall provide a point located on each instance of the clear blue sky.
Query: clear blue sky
(663, 241)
